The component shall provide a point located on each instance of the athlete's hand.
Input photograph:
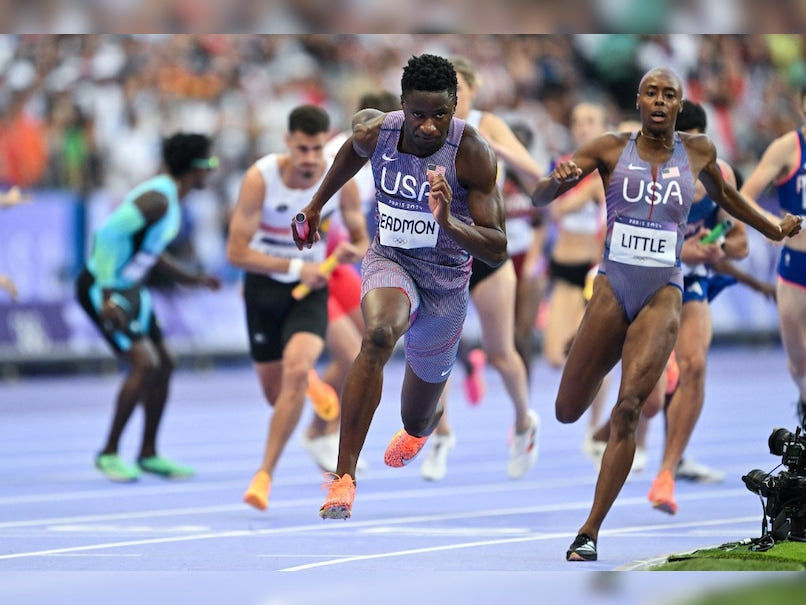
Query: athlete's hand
(311, 276)
(347, 252)
(440, 196)
(112, 315)
(313, 219)
(566, 172)
(694, 252)
(790, 225)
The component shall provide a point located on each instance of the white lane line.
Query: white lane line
(363, 525)
(419, 551)
(485, 543)
(106, 555)
(137, 491)
(313, 504)
(128, 529)
(122, 544)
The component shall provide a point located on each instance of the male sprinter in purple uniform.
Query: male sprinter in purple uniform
(634, 313)
(437, 206)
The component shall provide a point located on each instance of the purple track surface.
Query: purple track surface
(470, 531)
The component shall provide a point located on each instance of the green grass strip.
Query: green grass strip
(783, 556)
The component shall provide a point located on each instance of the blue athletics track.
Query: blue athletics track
(477, 535)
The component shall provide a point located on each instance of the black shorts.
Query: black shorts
(273, 316)
(481, 271)
(574, 274)
(137, 307)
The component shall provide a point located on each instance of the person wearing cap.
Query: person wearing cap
(125, 248)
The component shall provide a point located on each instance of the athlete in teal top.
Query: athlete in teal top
(129, 243)
(126, 246)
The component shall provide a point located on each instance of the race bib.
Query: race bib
(644, 243)
(406, 228)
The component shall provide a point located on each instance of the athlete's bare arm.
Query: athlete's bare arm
(244, 224)
(476, 170)
(354, 220)
(352, 155)
(600, 153)
(702, 156)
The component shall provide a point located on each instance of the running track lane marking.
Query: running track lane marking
(533, 538)
(324, 526)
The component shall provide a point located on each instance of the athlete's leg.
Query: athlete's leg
(647, 344)
(494, 299)
(792, 319)
(155, 397)
(686, 403)
(386, 316)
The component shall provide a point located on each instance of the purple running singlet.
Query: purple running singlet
(647, 208)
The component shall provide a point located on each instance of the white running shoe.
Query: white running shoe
(639, 460)
(594, 450)
(435, 465)
(324, 450)
(691, 470)
(524, 448)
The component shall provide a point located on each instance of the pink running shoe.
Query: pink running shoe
(402, 449)
(474, 382)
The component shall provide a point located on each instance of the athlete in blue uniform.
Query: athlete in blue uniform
(784, 164)
(700, 285)
(437, 206)
(129, 243)
(634, 313)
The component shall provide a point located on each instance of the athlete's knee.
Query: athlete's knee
(501, 360)
(625, 415)
(567, 412)
(692, 367)
(380, 339)
(295, 373)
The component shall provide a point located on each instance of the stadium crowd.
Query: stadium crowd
(87, 112)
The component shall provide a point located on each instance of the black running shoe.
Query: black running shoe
(583, 548)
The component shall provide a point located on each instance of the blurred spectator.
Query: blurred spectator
(86, 112)
(23, 144)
